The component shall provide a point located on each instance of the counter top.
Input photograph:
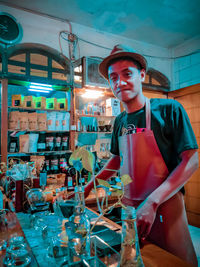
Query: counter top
(19, 223)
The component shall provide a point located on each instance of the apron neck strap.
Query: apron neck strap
(148, 114)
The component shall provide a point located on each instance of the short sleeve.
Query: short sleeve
(183, 137)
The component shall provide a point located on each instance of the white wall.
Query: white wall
(186, 68)
(181, 71)
(44, 30)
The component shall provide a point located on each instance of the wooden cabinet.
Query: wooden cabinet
(189, 97)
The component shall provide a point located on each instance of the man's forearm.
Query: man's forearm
(176, 179)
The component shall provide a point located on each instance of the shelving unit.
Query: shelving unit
(38, 131)
(94, 132)
(95, 116)
(42, 65)
(37, 109)
(19, 154)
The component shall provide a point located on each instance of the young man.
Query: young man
(153, 142)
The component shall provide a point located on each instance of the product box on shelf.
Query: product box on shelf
(42, 121)
(29, 101)
(112, 107)
(23, 121)
(51, 103)
(32, 121)
(13, 120)
(40, 102)
(17, 100)
(62, 104)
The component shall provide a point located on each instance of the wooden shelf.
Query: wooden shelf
(20, 154)
(95, 132)
(96, 116)
(46, 131)
(25, 108)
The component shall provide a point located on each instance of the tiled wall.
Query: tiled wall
(186, 70)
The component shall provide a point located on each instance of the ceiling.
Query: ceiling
(166, 23)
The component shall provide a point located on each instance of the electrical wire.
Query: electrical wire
(107, 48)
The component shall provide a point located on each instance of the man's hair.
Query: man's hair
(112, 61)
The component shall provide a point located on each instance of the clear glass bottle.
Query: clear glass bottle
(78, 228)
(130, 249)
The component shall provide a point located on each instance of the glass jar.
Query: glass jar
(130, 249)
(17, 253)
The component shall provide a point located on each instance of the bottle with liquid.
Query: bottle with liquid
(70, 179)
(130, 241)
(78, 228)
(43, 176)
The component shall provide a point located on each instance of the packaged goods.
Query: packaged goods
(13, 120)
(17, 100)
(40, 102)
(59, 118)
(66, 122)
(63, 164)
(42, 121)
(29, 101)
(33, 139)
(24, 143)
(32, 121)
(50, 141)
(13, 145)
(51, 103)
(58, 142)
(62, 103)
(54, 165)
(23, 120)
(51, 121)
(112, 107)
(41, 145)
(38, 162)
(65, 142)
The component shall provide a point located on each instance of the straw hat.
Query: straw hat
(121, 51)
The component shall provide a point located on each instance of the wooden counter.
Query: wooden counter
(152, 255)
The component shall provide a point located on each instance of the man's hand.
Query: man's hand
(146, 213)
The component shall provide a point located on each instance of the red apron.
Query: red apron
(142, 160)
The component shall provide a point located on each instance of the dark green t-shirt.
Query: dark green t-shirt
(170, 124)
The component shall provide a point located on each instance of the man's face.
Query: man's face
(125, 79)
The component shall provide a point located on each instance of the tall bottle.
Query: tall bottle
(79, 228)
(43, 176)
(130, 249)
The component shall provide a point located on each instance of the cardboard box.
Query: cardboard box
(17, 100)
(62, 104)
(51, 103)
(40, 102)
(112, 107)
(29, 101)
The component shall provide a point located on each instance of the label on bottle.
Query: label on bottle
(82, 180)
(43, 179)
(69, 181)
